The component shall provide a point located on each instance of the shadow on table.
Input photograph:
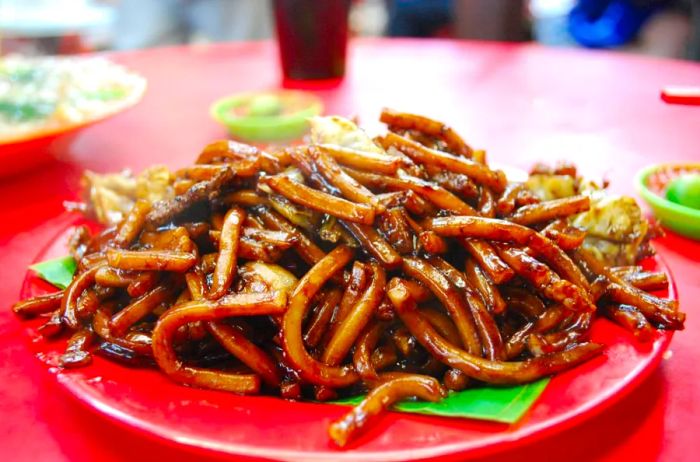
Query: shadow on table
(96, 438)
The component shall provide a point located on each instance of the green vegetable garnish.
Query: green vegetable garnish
(107, 94)
(499, 404)
(58, 271)
(21, 74)
(23, 112)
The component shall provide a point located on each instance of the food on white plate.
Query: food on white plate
(43, 95)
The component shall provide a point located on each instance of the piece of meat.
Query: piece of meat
(164, 211)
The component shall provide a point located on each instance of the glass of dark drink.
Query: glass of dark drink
(312, 37)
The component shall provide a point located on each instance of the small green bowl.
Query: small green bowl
(684, 220)
(263, 126)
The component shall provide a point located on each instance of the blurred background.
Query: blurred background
(667, 28)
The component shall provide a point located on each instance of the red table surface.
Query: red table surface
(523, 103)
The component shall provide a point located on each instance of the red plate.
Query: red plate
(269, 427)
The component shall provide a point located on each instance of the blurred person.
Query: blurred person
(666, 28)
(149, 23)
(469, 19)
(491, 20)
(694, 42)
(653, 27)
(418, 18)
(667, 33)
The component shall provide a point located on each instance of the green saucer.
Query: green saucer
(680, 218)
(267, 116)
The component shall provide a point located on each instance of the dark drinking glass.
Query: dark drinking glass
(312, 37)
